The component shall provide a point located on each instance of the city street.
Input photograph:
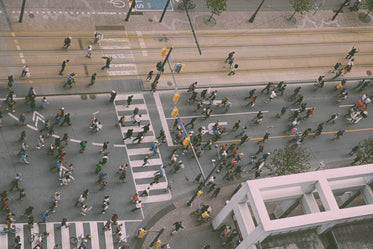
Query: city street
(269, 50)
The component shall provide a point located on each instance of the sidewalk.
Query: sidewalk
(192, 236)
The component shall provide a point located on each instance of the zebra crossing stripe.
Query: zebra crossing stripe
(127, 72)
(3, 238)
(134, 128)
(139, 163)
(144, 174)
(109, 240)
(155, 186)
(125, 96)
(121, 108)
(147, 139)
(94, 239)
(65, 237)
(156, 198)
(50, 240)
(140, 151)
(143, 117)
(79, 231)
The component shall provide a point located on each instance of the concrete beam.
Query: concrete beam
(285, 208)
(325, 227)
(244, 219)
(309, 204)
(257, 235)
(367, 194)
(326, 195)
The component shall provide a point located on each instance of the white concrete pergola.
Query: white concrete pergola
(336, 188)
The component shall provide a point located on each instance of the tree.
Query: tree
(289, 160)
(216, 7)
(301, 6)
(366, 150)
(369, 6)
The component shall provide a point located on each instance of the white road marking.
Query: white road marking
(109, 240)
(50, 240)
(94, 240)
(220, 115)
(75, 140)
(125, 96)
(130, 108)
(79, 229)
(142, 43)
(147, 139)
(65, 237)
(98, 144)
(144, 174)
(156, 198)
(119, 145)
(4, 238)
(140, 151)
(32, 127)
(143, 117)
(114, 47)
(161, 185)
(163, 119)
(124, 129)
(346, 105)
(151, 162)
(14, 117)
(129, 72)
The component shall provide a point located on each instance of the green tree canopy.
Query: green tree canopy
(216, 6)
(289, 160)
(302, 6)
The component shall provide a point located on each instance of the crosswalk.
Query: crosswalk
(101, 239)
(117, 68)
(143, 176)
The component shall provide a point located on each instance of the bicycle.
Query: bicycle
(188, 3)
(41, 236)
(10, 230)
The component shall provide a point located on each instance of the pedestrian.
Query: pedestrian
(233, 70)
(145, 192)
(104, 147)
(149, 76)
(128, 134)
(89, 52)
(230, 56)
(338, 73)
(121, 121)
(309, 113)
(242, 132)
(98, 167)
(236, 125)
(192, 123)
(299, 100)
(146, 161)
(97, 37)
(105, 204)
(352, 52)
(154, 86)
(103, 184)
(65, 138)
(230, 62)
(252, 101)
(24, 157)
(113, 94)
(129, 100)
(271, 96)
(244, 139)
(63, 223)
(138, 138)
(107, 63)
(216, 192)
(139, 205)
(22, 119)
(354, 150)
(178, 225)
(83, 145)
(338, 134)
(66, 120)
(25, 71)
(43, 103)
(15, 182)
(333, 117)
(64, 63)
(265, 137)
(93, 79)
(141, 233)
(41, 142)
(22, 194)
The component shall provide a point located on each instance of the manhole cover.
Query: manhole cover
(92, 96)
(369, 73)
(83, 96)
(31, 15)
(169, 83)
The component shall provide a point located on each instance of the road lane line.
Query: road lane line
(219, 115)
(142, 43)
(119, 145)
(32, 127)
(94, 240)
(98, 144)
(163, 119)
(346, 105)
(14, 117)
(75, 140)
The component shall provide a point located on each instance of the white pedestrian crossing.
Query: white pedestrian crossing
(123, 61)
(136, 150)
(64, 235)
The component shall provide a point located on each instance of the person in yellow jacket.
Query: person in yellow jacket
(141, 233)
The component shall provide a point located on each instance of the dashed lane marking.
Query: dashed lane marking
(142, 43)
(220, 115)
